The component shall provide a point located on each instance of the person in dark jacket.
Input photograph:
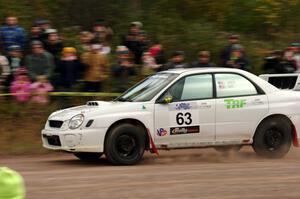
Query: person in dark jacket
(226, 52)
(203, 60)
(12, 34)
(69, 69)
(177, 61)
(39, 62)
(237, 58)
(136, 41)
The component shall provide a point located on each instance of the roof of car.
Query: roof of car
(202, 70)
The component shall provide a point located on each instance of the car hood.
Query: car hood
(95, 108)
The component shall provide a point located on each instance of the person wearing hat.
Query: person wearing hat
(12, 34)
(11, 184)
(177, 61)
(203, 60)
(69, 69)
(39, 62)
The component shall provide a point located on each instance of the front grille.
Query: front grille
(53, 140)
(55, 123)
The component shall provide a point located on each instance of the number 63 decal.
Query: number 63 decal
(185, 118)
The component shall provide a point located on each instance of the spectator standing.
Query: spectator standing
(296, 55)
(203, 60)
(96, 69)
(12, 34)
(15, 61)
(135, 41)
(4, 70)
(227, 51)
(53, 44)
(85, 38)
(69, 68)
(157, 51)
(177, 61)
(35, 33)
(123, 69)
(102, 33)
(44, 26)
(39, 62)
(237, 58)
(273, 62)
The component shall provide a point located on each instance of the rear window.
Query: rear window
(287, 82)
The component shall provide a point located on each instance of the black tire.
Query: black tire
(125, 144)
(273, 137)
(85, 156)
(227, 149)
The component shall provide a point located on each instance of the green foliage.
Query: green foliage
(189, 25)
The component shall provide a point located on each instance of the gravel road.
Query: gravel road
(197, 173)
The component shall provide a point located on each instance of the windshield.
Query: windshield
(148, 88)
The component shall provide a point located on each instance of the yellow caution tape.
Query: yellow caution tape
(70, 94)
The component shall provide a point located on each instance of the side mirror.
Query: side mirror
(167, 99)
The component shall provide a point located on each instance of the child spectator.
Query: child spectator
(21, 85)
(40, 89)
(149, 64)
(123, 69)
(69, 68)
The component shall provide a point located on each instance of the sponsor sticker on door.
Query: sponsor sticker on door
(184, 130)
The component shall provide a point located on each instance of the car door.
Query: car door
(240, 105)
(190, 118)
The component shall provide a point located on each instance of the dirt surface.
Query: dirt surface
(198, 173)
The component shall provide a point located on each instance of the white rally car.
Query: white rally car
(182, 108)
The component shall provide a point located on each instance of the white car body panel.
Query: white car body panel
(218, 125)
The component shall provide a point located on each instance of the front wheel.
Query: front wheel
(125, 144)
(273, 138)
(85, 156)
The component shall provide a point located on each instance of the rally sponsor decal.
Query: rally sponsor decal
(183, 106)
(161, 132)
(184, 130)
(232, 103)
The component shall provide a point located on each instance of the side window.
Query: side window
(192, 88)
(229, 85)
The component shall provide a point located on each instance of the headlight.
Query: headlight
(76, 121)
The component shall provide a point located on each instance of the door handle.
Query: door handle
(257, 101)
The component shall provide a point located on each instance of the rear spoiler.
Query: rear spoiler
(290, 81)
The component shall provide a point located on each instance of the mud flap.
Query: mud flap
(153, 148)
(295, 137)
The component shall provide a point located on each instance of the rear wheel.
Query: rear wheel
(125, 144)
(273, 138)
(85, 156)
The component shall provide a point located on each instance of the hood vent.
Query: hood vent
(92, 103)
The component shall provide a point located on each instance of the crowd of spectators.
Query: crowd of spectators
(36, 63)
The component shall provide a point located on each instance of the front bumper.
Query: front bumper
(79, 140)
